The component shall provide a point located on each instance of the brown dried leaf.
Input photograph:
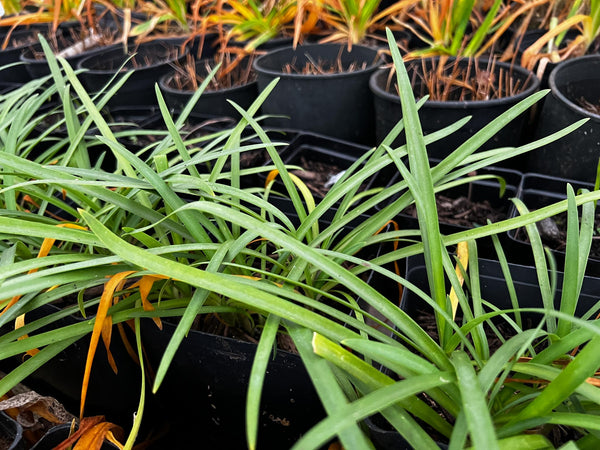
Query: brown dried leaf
(32, 406)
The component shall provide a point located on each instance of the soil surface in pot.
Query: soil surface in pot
(463, 212)
(454, 81)
(318, 176)
(553, 231)
(74, 44)
(231, 73)
(590, 107)
(323, 67)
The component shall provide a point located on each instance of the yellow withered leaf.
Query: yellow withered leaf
(462, 252)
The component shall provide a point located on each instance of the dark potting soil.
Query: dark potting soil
(463, 212)
(231, 74)
(321, 67)
(593, 108)
(5, 441)
(553, 231)
(318, 176)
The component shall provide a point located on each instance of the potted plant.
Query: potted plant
(234, 80)
(147, 62)
(456, 88)
(254, 25)
(79, 197)
(524, 378)
(358, 23)
(582, 20)
(461, 29)
(573, 96)
(212, 253)
(74, 43)
(323, 88)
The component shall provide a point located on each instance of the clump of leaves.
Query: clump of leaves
(456, 79)
(322, 67)
(231, 71)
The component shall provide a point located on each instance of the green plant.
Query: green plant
(168, 16)
(353, 21)
(462, 28)
(256, 22)
(539, 379)
(230, 251)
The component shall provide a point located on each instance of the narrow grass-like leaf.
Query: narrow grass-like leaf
(571, 279)
(568, 380)
(257, 377)
(540, 265)
(327, 387)
(474, 404)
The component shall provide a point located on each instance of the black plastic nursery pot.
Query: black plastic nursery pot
(212, 102)
(384, 438)
(13, 77)
(148, 61)
(435, 115)
(495, 291)
(17, 43)
(11, 433)
(114, 396)
(537, 191)
(204, 392)
(35, 61)
(575, 89)
(333, 104)
(58, 434)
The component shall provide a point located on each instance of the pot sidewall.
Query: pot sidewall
(338, 105)
(576, 155)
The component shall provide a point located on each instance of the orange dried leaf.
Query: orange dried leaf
(106, 338)
(145, 286)
(105, 303)
(85, 424)
(127, 344)
(272, 175)
(95, 437)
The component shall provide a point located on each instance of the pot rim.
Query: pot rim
(256, 65)
(28, 58)
(162, 82)
(115, 47)
(557, 92)
(454, 104)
